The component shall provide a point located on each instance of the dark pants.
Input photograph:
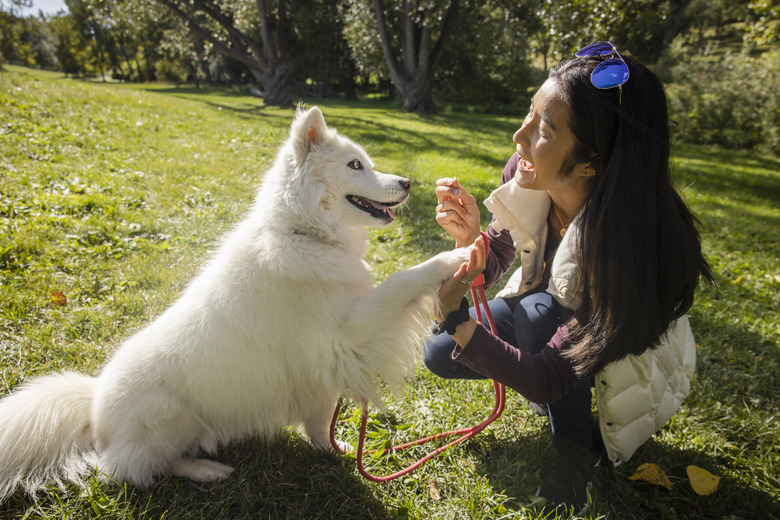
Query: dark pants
(527, 322)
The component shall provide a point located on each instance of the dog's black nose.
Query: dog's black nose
(406, 183)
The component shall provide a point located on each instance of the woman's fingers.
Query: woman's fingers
(457, 211)
(477, 258)
(454, 211)
(452, 290)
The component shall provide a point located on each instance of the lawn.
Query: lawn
(114, 195)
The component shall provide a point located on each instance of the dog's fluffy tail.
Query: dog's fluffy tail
(45, 432)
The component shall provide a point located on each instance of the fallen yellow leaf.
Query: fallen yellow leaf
(653, 474)
(57, 298)
(702, 481)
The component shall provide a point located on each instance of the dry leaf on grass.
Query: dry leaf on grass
(434, 490)
(57, 298)
(653, 474)
(702, 481)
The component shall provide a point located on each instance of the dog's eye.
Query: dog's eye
(355, 165)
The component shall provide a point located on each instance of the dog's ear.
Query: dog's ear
(308, 129)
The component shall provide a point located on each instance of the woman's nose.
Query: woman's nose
(520, 136)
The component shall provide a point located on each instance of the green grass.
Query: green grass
(116, 194)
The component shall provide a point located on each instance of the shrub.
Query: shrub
(730, 101)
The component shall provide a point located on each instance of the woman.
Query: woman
(610, 259)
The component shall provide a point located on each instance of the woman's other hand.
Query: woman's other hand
(457, 211)
(452, 291)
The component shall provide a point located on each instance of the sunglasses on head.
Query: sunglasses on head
(609, 73)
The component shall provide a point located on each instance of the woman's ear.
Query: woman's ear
(587, 169)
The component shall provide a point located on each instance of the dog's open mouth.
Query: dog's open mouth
(381, 210)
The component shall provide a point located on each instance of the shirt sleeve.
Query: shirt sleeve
(542, 378)
(502, 249)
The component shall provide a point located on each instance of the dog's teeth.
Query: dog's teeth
(373, 206)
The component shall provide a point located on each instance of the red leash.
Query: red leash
(478, 297)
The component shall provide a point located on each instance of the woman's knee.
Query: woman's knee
(437, 355)
(536, 320)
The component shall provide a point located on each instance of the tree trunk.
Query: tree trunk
(138, 68)
(264, 59)
(131, 74)
(275, 85)
(149, 74)
(673, 24)
(412, 73)
(419, 96)
(193, 72)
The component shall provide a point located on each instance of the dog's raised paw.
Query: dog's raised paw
(201, 470)
(450, 261)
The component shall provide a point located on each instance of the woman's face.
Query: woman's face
(545, 144)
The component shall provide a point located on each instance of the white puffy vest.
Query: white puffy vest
(634, 396)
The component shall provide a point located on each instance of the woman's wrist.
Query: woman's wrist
(465, 332)
(453, 319)
(469, 239)
(451, 301)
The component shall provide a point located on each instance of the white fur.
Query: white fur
(282, 321)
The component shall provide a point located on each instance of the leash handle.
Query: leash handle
(479, 299)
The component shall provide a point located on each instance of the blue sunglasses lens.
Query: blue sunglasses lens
(609, 73)
(596, 49)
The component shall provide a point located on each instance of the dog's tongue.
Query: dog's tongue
(381, 207)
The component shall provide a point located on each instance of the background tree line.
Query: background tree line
(720, 58)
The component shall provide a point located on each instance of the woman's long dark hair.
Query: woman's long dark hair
(639, 249)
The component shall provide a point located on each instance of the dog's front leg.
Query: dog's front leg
(387, 301)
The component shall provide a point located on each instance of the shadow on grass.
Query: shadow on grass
(360, 122)
(618, 497)
(516, 468)
(285, 478)
(734, 363)
(239, 102)
(362, 127)
(736, 189)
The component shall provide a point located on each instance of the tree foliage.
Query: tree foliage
(487, 54)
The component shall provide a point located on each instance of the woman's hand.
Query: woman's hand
(457, 211)
(452, 291)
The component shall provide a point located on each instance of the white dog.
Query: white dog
(282, 321)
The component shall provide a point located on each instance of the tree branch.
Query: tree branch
(446, 31)
(265, 32)
(408, 43)
(399, 79)
(235, 34)
(243, 57)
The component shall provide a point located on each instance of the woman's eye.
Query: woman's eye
(355, 165)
